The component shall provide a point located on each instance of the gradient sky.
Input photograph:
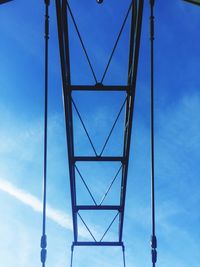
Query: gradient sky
(177, 140)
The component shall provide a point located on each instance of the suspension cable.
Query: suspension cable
(44, 237)
(123, 252)
(72, 254)
(153, 237)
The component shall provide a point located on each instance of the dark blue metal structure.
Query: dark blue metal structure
(63, 10)
(5, 1)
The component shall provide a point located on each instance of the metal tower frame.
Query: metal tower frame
(63, 12)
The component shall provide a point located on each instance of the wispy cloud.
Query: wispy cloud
(55, 215)
(26, 198)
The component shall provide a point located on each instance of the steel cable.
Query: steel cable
(44, 236)
(153, 237)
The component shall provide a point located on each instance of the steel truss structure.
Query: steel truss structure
(63, 10)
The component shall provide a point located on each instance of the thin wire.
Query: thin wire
(44, 237)
(82, 44)
(152, 127)
(103, 198)
(124, 259)
(104, 146)
(84, 127)
(72, 254)
(116, 43)
(90, 193)
(153, 238)
(109, 227)
(86, 227)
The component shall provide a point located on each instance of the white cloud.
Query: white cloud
(57, 216)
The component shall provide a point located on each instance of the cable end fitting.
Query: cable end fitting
(43, 255)
(154, 255)
(153, 242)
(43, 243)
(153, 248)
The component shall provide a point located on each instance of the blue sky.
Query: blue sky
(177, 141)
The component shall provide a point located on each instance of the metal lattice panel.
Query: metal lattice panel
(99, 156)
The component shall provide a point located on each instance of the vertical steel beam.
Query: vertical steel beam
(132, 37)
(135, 46)
(61, 11)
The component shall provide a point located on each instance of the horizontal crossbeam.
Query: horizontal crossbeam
(104, 244)
(97, 207)
(83, 158)
(99, 87)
